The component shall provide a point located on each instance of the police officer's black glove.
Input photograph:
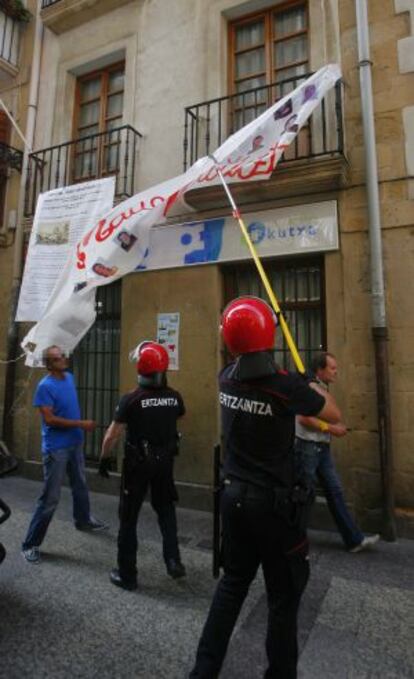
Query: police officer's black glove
(104, 467)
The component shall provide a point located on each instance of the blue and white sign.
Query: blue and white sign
(284, 231)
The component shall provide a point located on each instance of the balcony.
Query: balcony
(10, 159)
(113, 152)
(63, 15)
(9, 46)
(319, 145)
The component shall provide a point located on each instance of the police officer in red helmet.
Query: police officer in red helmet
(261, 506)
(149, 415)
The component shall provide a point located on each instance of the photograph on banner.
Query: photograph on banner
(168, 334)
(284, 231)
(61, 217)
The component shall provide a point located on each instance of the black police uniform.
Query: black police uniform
(150, 415)
(260, 519)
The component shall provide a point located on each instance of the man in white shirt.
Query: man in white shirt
(314, 460)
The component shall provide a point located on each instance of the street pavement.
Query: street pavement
(63, 618)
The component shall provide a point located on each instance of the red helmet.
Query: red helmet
(152, 358)
(248, 324)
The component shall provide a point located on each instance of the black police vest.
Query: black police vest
(258, 424)
(151, 415)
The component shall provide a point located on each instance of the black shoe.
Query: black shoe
(175, 568)
(116, 579)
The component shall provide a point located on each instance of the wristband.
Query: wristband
(323, 426)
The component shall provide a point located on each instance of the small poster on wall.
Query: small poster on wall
(168, 334)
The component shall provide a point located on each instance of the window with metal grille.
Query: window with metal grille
(4, 165)
(96, 366)
(268, 59)
(98, 116)
(300, 290)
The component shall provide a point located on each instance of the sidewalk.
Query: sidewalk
(63, 617)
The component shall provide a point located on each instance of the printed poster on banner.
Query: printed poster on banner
(168, 334)
(60, 220)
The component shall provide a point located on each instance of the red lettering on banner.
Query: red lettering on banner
(87, 237)
(81, 263)
(262, 166)
(103, 231)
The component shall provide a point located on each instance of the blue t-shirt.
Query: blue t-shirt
(62, 397)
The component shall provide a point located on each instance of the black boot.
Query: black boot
(175, 568)
(117, 580)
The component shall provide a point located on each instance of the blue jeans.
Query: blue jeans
(55, 464)
(314, 461)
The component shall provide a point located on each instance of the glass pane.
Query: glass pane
(276, 283)
(315, 330)
(290, 295)
(291, 78)
(88, 131)
(111, 158)
(246, 116)
(292, 73)
(85, 165)
(249, 34)
(250, 62)
(290, 51)
(253, 98)
(116, 81)
(291, 21)
(302, 330)
(87, 144)
(115, 103)
(89, 114)
(302, 284)
(90, 89)
(314, 284)
(112, 125)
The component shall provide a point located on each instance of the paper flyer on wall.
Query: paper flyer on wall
(168, 334)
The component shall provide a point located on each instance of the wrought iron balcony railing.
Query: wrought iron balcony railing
(47, 3)
(9, 38)
(10, 158)
(210, 123)
(113, 152)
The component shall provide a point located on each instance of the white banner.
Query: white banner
(60, 219)
(277, 232)
(118, 242)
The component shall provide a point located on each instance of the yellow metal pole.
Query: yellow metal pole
(286, 332)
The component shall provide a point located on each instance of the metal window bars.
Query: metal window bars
(209, 123)
(113, 152)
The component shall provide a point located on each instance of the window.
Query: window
(98, 115)
(299, 288)
(95, 364)
(265, 49)
(4, 164)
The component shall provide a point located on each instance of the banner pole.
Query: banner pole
(285, 329)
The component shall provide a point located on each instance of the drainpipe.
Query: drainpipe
(379, 324)
(12, 335)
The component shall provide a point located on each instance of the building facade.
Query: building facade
(143, 88)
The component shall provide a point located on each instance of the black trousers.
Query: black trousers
(155, 472)
(256, 533)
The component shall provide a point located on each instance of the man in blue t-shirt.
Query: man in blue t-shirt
(62, 439)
